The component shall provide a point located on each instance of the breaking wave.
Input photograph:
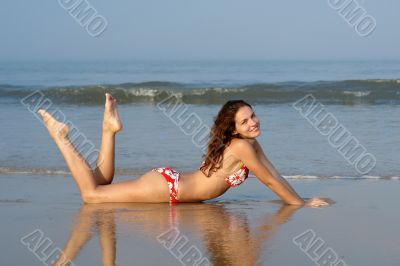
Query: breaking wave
(348, 92)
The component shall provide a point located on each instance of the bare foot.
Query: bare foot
(56, 129)
(111, 121)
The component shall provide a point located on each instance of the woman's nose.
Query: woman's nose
(253, 122)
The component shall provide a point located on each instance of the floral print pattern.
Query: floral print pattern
(238, 177)
(172, 178)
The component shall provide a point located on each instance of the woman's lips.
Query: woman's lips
(255, 129)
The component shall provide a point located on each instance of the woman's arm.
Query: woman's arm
(265, 172)
(313, 202)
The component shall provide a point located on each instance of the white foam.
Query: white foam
(144, 92)
(357, 93)
(217, 90)
(301, 177)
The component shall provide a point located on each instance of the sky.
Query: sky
(197, 30)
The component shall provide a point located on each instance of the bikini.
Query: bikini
(172, 178)
(237, 177)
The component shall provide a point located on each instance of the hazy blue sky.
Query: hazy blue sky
(207, 29)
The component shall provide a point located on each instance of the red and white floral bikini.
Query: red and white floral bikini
(172, 178)
(237, 177)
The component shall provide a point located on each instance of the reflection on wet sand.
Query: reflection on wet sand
(225, 233)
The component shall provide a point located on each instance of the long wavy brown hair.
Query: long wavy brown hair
(221, 135)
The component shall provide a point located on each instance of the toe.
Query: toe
(43, 114)
(108, 97)
(108, 100)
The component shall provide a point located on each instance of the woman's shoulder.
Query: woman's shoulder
(244, 150)
(240, 144)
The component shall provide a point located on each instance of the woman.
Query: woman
(232, 152)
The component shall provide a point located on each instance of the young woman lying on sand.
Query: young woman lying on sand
(232, 152)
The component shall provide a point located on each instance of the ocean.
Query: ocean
(361, 97)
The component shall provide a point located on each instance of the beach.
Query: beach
(313, 88)
(167, 110)
(246, 226)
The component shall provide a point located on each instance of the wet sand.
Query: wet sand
(42, 216)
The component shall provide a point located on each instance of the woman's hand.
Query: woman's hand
(318, 202)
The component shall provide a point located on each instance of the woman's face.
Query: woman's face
(247, 123)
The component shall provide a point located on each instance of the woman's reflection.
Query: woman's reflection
(226, 233)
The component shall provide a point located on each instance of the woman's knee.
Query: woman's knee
(91, 196)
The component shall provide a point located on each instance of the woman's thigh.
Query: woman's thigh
(150, 187)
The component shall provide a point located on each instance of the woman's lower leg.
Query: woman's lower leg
(105, 166)
(80, 169)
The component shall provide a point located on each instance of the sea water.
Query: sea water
(363, 97)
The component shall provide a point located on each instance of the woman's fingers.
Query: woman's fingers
(318, 202)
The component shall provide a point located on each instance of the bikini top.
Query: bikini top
(237, 177)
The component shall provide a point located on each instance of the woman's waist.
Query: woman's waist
(197, 185)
